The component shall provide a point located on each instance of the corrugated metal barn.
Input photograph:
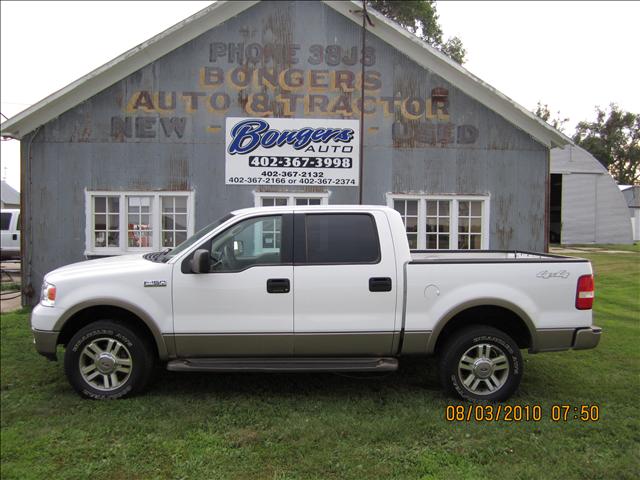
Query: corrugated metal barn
(586, 203)
(156, 144)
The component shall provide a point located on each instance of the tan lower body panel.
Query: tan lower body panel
(282, 344)
(415, 343)
(234, 344)
(343, 343)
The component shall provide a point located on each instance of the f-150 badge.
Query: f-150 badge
(155, 283)
(547, 274)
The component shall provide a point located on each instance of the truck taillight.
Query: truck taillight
(585, 293)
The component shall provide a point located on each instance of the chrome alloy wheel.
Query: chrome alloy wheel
(483, 369)
(105, 364)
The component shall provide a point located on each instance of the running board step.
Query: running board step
(348, 364)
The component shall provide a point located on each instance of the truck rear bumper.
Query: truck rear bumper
(587, 338)
(556, 340)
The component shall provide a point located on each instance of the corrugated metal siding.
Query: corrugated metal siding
(593, 210)
(612, 215)
(578, 208)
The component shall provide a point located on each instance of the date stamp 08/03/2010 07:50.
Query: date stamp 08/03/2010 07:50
(521, 413)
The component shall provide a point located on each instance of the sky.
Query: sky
(573, 56)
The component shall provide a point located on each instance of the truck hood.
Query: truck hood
(102, 266)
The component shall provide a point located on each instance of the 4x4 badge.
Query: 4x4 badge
(155, 283)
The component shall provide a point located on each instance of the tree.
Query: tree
(614, 139)
(543, 112)
(421, 18)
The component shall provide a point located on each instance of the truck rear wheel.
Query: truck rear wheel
(480, 364)
(107, 360)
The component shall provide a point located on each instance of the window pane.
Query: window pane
(444, 225)
(342, 238)
(181, 204)
(167, 204)
(167, 239)
(432, 224)
(412, 224)
(443, 208)
(463, 208)
(114, 204)
(476, 209)
(432, 207)
(431, 242)
(181, 221)
(180, 237)
(412, 207)
(413, 241)
(476, 225)
(100, 222)
(100, 204)
(475, 242)
(302, 201)
(463, 242)
(113, 222)
(443, 242)
(100, 239)
(267, 202)
(398, 205)
(167, 222)
(281, 202)
(463, 225)
(113, 239)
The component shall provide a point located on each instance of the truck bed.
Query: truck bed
(487, 256)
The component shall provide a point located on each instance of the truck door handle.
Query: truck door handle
(380, 284)
(278, 285)
(14, 236)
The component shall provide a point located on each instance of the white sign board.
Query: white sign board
(292, 151)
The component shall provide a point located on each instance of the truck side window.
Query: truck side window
(341, 238)
(5, 220)
(256, 241)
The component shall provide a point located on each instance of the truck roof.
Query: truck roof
(312, 208)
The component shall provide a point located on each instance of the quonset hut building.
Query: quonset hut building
(277, 103)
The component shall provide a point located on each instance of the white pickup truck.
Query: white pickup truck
(331, 288)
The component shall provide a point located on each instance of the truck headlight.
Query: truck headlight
(48, 295)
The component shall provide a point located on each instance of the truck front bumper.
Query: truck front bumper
(43, 321)
(46, 343)
(556, 340)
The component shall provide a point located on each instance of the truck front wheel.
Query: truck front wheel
(480, 364)
(107, 360)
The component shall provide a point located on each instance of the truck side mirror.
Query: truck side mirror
(201, 261)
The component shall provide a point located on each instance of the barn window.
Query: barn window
(444, 222)
(125, 222)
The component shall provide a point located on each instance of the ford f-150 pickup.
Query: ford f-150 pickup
(330, 288)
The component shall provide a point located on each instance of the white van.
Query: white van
(10, 233)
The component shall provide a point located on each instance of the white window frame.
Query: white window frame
(453, 218)
(291, 197)
(156, 220)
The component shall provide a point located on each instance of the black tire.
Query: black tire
(495, 373)
(124, 367)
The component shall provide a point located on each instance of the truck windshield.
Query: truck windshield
(195, 238)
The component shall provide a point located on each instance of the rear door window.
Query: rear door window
(349, 238)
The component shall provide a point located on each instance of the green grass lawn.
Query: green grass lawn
(284, 426)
